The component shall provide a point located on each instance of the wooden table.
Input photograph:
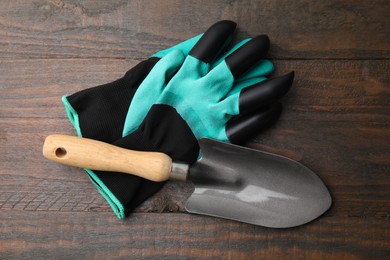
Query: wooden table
(336, 121)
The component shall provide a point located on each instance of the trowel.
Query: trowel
(231, 181)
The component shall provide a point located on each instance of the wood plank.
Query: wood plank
(336, 91)
(42, 235)
(298, 29)
(336, 121)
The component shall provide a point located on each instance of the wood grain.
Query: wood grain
(32, 88)
(336, 121)
(136, 29)
(43, 235)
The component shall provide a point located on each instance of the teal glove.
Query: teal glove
(99, 113)
(208, 95)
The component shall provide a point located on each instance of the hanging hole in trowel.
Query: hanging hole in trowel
(60, 152)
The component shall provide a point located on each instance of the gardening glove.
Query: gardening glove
(202, 100)
(99, 113)
(208, 98)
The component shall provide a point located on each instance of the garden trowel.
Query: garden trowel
(231, 181)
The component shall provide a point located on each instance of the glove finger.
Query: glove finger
(222, 77)
(213, 41)
(260, 70)
(240, 129)
(248, 55)
(249, 95)
(254, 76)
(219, 58)
(264, 93)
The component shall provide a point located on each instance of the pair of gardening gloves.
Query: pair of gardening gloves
(201, 87)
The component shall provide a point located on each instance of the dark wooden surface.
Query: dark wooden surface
(336, 121)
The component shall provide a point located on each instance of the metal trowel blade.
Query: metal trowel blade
(255, 187)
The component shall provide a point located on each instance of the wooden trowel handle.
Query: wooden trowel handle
(96, 155)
